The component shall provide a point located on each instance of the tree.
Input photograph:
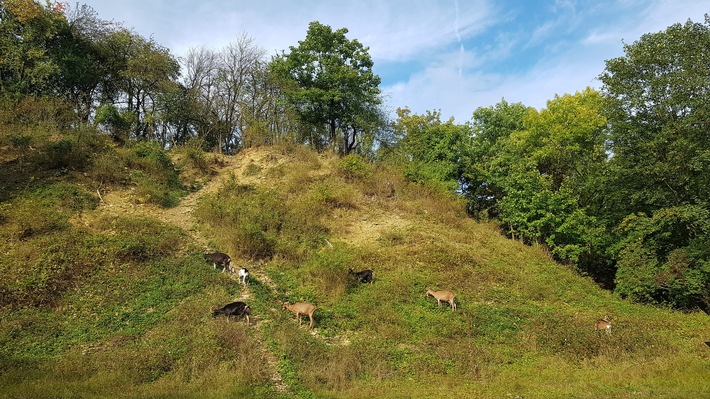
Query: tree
(232, 91)
(328, 79)
(538, 172)
(28, 31)
(85, 73)
(492, 126)
(659, 114)
(435, 151)
(659, 172)
(664, 258)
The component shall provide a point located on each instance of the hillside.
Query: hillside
(131, 315)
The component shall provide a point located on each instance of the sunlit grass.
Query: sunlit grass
(136, 322)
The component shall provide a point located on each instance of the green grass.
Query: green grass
(122, 308)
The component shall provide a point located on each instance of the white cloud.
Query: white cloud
(447, 50)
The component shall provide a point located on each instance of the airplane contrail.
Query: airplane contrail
(458, 36)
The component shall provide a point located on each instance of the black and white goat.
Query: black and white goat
(222, 259)
(364, 276)
(244, 275)
(239, 309)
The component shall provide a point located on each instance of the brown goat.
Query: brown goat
(222, 259)
(443, 295)
(300, 308)
(604, 324)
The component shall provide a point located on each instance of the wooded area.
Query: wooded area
(614, 182)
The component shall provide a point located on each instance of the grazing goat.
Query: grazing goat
(604, 324)
(243, 275)
(443, 295)
(364, 276)
(300, 308)
(239, 309)
(222, 259)
(707, 343)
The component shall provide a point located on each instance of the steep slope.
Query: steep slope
(140, 326)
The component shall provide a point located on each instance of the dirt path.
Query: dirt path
(121, 203)
(250, 167)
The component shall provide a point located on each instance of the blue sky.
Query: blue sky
(448, 55)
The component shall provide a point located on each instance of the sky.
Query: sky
(451, 56)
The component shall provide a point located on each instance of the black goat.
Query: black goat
(222, 259)
(364, 276)
(239, 309)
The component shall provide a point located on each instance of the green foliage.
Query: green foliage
(659, 120)
(665, 258)
(433, 152)
(491, 128)
(156, 179)
(116, 122)
(328, 80)
(354, 167)
(538, 173)
(659, 172)
(27, 34)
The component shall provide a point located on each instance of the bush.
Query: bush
(353, 167)
(665, 258)
(75, 150)
(194, 156)
(156, 179)
(248, 220)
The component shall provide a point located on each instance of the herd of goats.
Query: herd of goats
(241, 309)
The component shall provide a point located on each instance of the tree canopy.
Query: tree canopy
(329, 81)
(659, 171)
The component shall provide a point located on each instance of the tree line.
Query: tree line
(613, 181)
(135, 89)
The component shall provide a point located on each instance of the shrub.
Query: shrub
(195, 157)
(155, 176)
(353, 167)
(665, 258)
(74, 150)
(247, 220)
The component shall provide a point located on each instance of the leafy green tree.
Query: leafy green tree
(137, 72)
(85, 68)
(28, 31)
(329, 81)
(664, 258)
(659, 117)
(538, 172)
(492, 126)
(435, 151)
(659, 171)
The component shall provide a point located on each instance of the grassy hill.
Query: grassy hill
(105, 292)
